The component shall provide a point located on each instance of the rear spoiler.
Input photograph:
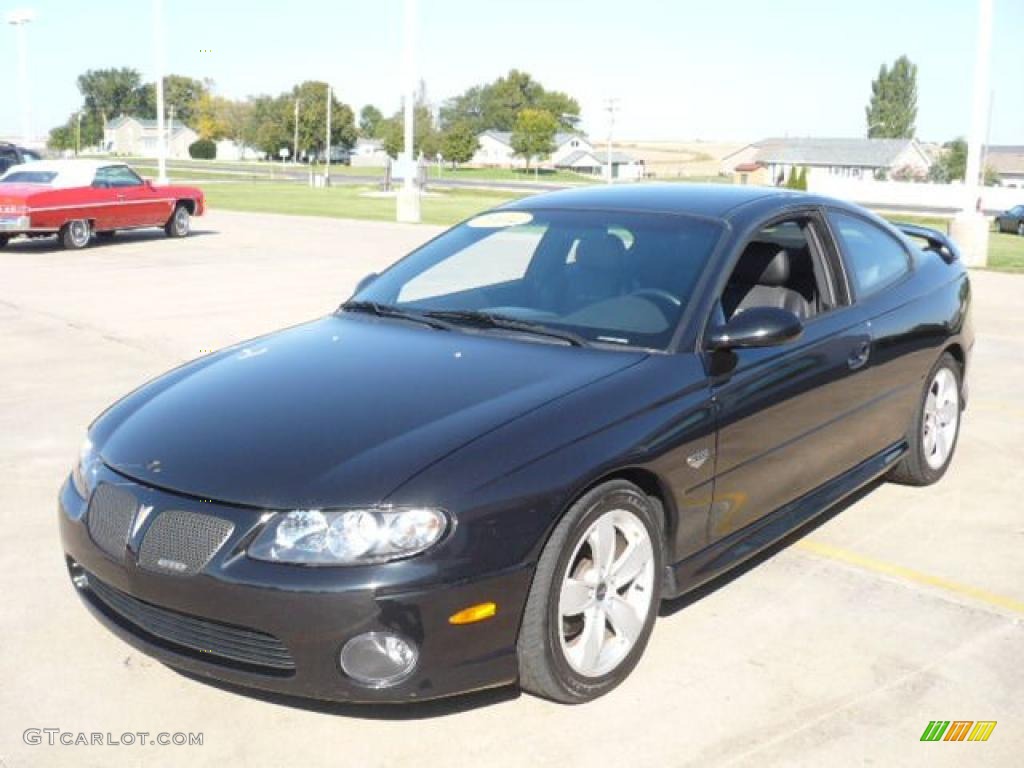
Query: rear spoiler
(937, 242)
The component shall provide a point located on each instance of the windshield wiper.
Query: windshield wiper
(386, 310)
(482, 319)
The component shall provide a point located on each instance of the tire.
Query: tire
(556, 645)
(180, 223)
(75, 234)
(3, 240)
(934, 432)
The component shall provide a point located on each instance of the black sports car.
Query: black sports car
(1011, 220)
(493, 462)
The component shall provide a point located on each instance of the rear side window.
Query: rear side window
(874, 257)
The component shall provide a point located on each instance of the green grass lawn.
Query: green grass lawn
(346, 202)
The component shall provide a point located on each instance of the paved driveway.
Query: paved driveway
(837, 649)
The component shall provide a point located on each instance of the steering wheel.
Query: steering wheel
(662, 299)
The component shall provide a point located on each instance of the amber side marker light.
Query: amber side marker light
(474, 613)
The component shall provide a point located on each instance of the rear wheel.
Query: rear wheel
(75, 234)
(936, 427)
(594, 596)
(180, 222)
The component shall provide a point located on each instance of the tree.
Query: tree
(312, 98)
(893, 107)
(951, 165)
(182, 97)
(801, 182)
(534, 134)
(111, 92)
(369, 121)
(496, 105)
(66, 136)
(458, 143)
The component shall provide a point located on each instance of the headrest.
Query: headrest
(600, 251)
(763, 264)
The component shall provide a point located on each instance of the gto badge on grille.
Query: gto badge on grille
(172, 565)
(697, 459)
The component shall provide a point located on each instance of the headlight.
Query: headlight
(350, 536)
(83, 476)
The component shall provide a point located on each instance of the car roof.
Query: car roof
(70, 166)
(713, 200)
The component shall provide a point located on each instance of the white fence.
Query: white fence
(910, 196)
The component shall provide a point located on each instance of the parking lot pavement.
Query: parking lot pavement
(837, 649)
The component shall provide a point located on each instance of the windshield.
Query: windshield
(29, 177)
(606, 276)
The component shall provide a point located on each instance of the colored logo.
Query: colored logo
(958, 730)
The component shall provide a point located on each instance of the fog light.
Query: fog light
(378, 659)
(78, 576)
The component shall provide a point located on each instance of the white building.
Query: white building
(496, 149)
(137, 137)
(368, 153)
(845, 158)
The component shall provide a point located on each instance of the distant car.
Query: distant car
(1011, 220)
(75, 199)
(493, 462)
(11, 154)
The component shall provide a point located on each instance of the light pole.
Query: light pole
(612, 106)
(18, 19)
(295, 143)
(78, 134)
(969, 226)
(408, 200)
(158, 61)
(327, 160)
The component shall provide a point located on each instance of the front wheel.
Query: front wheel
(76, 234)
(180, 222)
(594, 596)
(936, 426)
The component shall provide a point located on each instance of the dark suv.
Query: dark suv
(14, 155)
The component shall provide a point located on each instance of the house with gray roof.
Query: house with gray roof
(136, 136)
(1008, 162)
(848, 158)
(495, 149)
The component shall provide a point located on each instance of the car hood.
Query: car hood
(336, 412)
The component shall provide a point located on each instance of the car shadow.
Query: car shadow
(50, 244)
(414, 710)
(674, 605)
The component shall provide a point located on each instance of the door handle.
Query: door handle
(859, 356)
(120, 197)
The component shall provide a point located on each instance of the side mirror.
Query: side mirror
(756, 327)
(365, 282)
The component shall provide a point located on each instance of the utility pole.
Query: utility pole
(295, 143)
(408, 200)
(158, 55)
(78, 134)
(170, 128)
(327, 163)
(611, 106)
(970, 227)
(19, 19)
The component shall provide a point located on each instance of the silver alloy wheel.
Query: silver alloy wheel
(941, 418)
(181, 221)
(605, 597)
(80, 232)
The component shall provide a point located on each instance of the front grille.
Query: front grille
(110, 514)
(208, 640)
(182, 542)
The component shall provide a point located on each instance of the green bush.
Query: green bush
(204, 149)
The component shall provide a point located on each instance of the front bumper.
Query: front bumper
(311, 611)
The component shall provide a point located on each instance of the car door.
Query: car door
(103, 204)
(140, 205)
(788, 415)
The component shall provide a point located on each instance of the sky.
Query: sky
(727, 70)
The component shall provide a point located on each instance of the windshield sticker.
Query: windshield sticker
(500, 220)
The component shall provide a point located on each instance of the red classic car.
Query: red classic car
(75, 199)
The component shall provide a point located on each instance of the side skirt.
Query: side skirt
(732, 550)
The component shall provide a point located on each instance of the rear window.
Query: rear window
(29, 177)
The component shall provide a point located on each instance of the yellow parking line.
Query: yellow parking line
(879, 566)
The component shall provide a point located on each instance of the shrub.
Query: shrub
(204, 149)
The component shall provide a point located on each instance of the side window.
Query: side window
(120, 176)
(102, 178)
(874, 257)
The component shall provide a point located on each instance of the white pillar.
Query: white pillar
(970, 227)
(408, 201)
(158, 56)
(19, 20)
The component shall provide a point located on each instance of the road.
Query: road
(835, 649)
